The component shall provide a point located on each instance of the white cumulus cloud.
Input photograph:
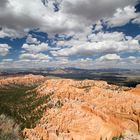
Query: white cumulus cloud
(39, 56)
(35, 48)
(4, 49)
(101, 43)
(109, 57)
(31, 40)
(122, 16)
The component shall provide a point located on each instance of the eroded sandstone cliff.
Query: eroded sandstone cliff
(86, 110)
(26, 80)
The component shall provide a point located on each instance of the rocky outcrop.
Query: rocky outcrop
(136, 90)
(86, 110)
(25, 81)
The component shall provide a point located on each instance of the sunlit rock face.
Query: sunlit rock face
(26, 80)
(136, 90)
(86, 110)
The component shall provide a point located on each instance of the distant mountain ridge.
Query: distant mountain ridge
(125, 77)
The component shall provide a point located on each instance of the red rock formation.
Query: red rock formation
(87, 110)
(136, 90)
(27, 80)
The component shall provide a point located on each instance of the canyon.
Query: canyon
(81, 109)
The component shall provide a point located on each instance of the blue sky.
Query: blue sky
(70, 33)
